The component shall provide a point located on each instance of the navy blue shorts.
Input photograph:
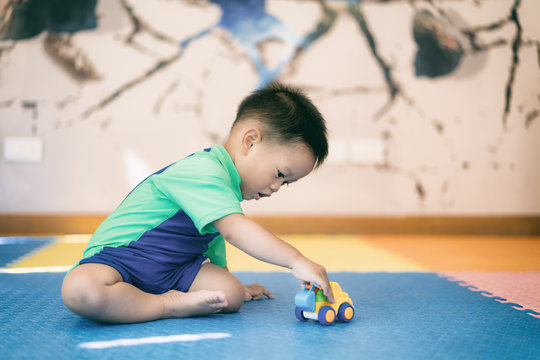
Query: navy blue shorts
(148, 272)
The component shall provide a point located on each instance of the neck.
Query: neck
(230, 146)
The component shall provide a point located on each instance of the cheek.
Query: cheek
(258, 181)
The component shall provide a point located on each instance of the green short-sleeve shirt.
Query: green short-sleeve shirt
(174, 208)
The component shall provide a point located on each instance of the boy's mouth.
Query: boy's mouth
(260, 195)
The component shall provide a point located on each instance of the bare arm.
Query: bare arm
(254, 239)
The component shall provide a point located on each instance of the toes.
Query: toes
(217, 299)
(197, 303)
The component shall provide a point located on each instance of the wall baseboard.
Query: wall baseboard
(28, 224)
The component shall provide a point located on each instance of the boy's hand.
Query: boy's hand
(256, 292)
(306, 270)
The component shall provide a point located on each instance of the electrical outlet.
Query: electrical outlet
(19, 149)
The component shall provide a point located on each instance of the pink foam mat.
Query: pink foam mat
(519, 288)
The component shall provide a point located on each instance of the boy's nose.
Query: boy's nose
(275, 186)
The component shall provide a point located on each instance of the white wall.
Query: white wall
(448, 135)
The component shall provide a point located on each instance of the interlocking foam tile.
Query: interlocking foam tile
(521, 289)
(398, 316)
(12, 248)
(336, 252)
(465, 253)
(64, 251)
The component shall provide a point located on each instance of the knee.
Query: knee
(81, 296)
(234, 291)
(213, 277)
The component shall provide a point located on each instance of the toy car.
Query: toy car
(312, 304)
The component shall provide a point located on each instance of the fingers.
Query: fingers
(315, 273)
(256, 292)
(325, 285)
(266, 293)
(327, 290)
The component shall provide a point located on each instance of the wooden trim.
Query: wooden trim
(503, 226)
(28, 224)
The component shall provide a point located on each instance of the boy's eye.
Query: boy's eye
(280, 175)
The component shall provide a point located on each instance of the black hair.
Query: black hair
(287, 115)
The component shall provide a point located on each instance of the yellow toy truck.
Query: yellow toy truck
(311, 304)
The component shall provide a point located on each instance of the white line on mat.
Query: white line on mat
(152, 340)
(40, 269)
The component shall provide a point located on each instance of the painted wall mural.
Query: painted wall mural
(432, 107)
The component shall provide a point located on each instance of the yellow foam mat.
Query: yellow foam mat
(349, 253)
(64, 252)
(335, 252)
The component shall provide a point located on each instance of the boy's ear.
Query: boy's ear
(251, 136)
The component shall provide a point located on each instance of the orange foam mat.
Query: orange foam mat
(462, 253)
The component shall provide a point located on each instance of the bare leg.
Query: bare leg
(214, 278)
(97, 292)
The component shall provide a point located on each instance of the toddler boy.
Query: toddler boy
(160, 254)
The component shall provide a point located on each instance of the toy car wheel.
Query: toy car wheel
(299, 314)
(345, 312)
(326, 315)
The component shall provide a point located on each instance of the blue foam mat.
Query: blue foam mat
(398, 316)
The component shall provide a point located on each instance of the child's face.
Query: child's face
(267, 166)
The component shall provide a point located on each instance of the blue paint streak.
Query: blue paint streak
(249, 24)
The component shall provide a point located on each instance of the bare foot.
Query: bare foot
(179, 304)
